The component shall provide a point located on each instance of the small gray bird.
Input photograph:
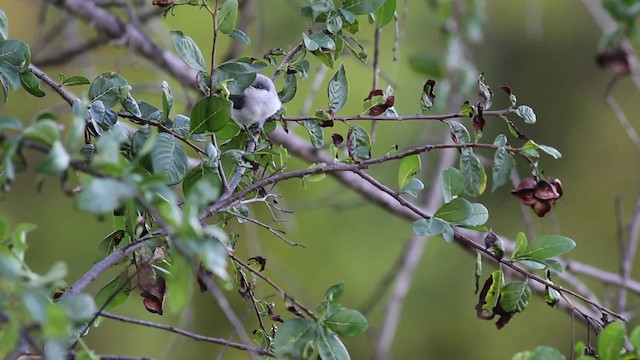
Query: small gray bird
(256, 104)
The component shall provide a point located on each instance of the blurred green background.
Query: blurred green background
(543, 50)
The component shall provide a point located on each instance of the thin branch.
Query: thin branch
(401, 287)
(276, 232)
(64, 94)
(287, 59)
(274, 285)
(186, 333)
(224, 304)
(624, 122)
(628, 255)
(112, 259)
(416, 117)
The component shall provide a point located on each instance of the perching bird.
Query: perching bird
(256, 104)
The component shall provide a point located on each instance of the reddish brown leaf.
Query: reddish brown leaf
(617, 60)
(273, 316)
(541, 208)
(376, 92)
(154, 296)
(545, 191)
(478, 120)
(482, 301)
(557, 184)
(337, 139)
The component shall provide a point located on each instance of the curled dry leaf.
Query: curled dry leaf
(154, 295)
(540, 195)
(616, 59)
(381, 108)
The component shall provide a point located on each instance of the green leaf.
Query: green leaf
(473, 176)
(4, 26)
(634, 338)
(130, 105)
(358, 143)
(240, 36)
(451, 184)
(321, 5)
(338, 90)
(107, 88)
(334, 293)
(454, 211)
(384, 14)
(75, 134)
(73, 80)
(293, 337)
(179, 280)
(547, 246)
(361, 7)
(430, 227)
(360, 54)
(459, 133)
(102, 115)
(521, 245)
(205, 173)
(515, 296)
(227, 16)
(317, 41)
(31, 83)
(347, 323)
(611, 341)
(44, 131)
(532, 145)
(78, 307)
(103, 195)
(493, 294)
(167, 100)
(114, 294)
(108, 155)
(290, 88)
(8, 122)
(330, 347)
(413, 187)
(16, 53)
(551, 296)
(188, 50)
(540, 263)
(56, 161)
(315, 133)
(168, 157)
(409, 166)
(526, 113)
(503, 163)
(210, 114)
(478, 215)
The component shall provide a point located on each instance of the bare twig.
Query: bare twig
(278, 233)
(282, 292)
(628, 254)
(186, 333)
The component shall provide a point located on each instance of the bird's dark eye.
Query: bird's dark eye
(259, 86)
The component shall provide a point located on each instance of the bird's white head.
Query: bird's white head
(256, 104)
